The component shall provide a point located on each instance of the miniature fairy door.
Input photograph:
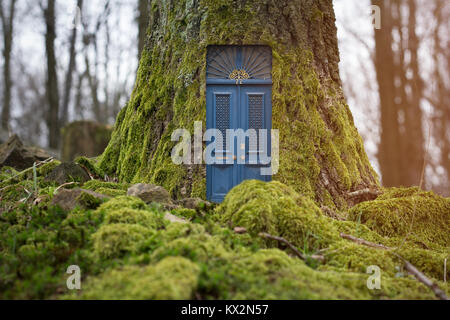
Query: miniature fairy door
(239, 98)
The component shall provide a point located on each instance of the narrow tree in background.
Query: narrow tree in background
(440, 93)
(7, 27)
(70, 69)
(52, 77)
(401, 150)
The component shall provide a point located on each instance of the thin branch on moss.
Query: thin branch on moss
(364, 242)
(291, 246)
(424, 279)
(63, 185)
(408, 266)
(29, 169)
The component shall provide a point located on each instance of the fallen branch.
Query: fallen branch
(424, 279)
(29, 169)
(408, 266)
(291, 246)
(364, 242)
(63, 185)
(364, 192)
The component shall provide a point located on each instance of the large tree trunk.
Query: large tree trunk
(52, 78)
(7, 26)
(321, 153)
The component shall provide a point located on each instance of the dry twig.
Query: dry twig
(63, 185)
(408, 266)
(364, 242)
(424, 279)
(291, 246)
(29, 169)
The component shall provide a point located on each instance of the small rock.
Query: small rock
(150, 193)
(67, 172)
(14, 154)
(68, 199)
(173, 218)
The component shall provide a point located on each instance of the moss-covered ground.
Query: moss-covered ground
(127, 250)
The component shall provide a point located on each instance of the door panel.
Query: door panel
(238, 96)
(256, 113)
(221, 116)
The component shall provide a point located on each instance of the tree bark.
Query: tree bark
(52, 77)
(143, 9)
(321, 153)
(7, 26)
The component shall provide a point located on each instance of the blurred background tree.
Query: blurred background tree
(65, 61)
(401, 86)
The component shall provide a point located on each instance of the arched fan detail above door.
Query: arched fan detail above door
(239, 62)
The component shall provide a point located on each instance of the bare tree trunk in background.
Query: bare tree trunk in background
(93, 85)
(143, 20)
(401, 149)
(388, 154)
(92, 69)
(70, 70)
(414, 136)
(52, 77)
(441, 93)
(79, 108)
(7, 26)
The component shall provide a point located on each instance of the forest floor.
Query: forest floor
(265, 241)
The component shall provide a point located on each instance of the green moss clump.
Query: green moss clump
(272, 274)
(115, 240)
(94, 185)
(178, 230)
(422, 217)
(185, 213)
(16, 191)
(111, 192)
(354, 257)
(276, 209)
(91, 166)
(45, 169)
(120, 203)
(172, 278)
(7, 172)
(88, 201)
(198, 248)
(108, 188)
(146, 218)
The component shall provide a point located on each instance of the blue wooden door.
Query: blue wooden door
(238, 96)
